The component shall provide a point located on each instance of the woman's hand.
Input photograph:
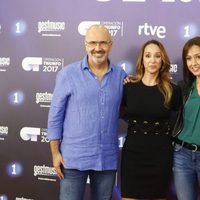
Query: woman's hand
(128, 79)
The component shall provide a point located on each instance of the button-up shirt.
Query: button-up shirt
(84, 116)
(190, 131)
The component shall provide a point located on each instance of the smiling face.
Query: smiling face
(193, 60)
(152, 60)
(98, 45)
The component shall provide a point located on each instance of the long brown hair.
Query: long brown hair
(187, 75)
(163, 78)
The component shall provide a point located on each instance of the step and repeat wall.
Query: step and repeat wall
(37, 39)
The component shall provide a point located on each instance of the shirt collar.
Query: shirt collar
(86, 66)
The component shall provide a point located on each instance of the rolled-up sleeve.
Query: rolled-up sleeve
(58, 106)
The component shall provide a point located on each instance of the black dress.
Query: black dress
(147, 152)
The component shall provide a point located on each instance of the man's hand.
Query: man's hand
(58, 161)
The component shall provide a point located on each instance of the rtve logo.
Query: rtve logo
(149, 30)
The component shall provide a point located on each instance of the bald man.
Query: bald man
(83, 120)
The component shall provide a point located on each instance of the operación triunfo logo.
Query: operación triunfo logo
(43, 99)
(43, 172)
(34, 134)
(50, 28)
(37, 64)
(115, 28)
(3, 132)
(4, 63)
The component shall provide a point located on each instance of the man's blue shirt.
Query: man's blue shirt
(84, 116)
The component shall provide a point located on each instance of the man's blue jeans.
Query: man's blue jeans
(186, 171)
(72, 187)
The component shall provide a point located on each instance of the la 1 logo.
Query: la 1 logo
(3, 197)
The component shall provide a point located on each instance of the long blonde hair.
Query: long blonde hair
(163, 78)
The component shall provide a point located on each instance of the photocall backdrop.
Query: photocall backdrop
(37, 39)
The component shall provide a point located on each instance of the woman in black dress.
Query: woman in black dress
(150, 101)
